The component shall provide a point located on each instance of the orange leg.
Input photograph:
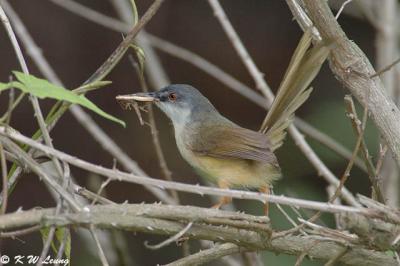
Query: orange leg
(266, 190)
(223, 200)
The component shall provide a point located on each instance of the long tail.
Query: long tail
(294, 89)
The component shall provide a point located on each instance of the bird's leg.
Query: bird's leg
(223, 200)
(267, 191)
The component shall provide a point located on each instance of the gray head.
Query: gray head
(180, 102)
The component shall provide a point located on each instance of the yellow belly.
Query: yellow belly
(237, 172)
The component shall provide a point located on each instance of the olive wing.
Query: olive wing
(232, 142)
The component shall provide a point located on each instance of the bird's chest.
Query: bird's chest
(183, 137)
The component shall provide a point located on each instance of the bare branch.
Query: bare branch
(102, 256)
(351, 109)
(246, 231)
(387, 43)
(241, 49)
(353, 69)
(4, 179)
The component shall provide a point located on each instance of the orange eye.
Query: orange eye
(172, 97)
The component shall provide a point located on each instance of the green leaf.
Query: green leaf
(134, 12)
(140, 57)
(91, 87)
(41, 88)
(60, 232)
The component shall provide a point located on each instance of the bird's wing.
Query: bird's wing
(233, 142)
(294, 89)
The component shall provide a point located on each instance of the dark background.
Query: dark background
(75, 48)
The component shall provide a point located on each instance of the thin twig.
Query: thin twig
(396, 240)
(59, 209)
(330, 232)
(382, 152)
(323, 169)
(359, 142)
(397, 256)
(334, 260)
(116, 56)
(48, 242)
(6, 118)
(4, 175)
(301, 257)
(21, 232)
(170, 240)
(386, 45)
(303, 19)
(241, 49)
(100, 190)
(343, 179)
(92, 196)
(102, 256)
(364, 149)
(385, 69)
(154, 132)
(342, 8)
(63, 244)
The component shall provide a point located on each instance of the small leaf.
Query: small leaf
(140, 56)
(134, 12)
(60, 232)
(91, 86)
(45, 234)
(41, 88)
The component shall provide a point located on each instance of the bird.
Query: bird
(223, 152)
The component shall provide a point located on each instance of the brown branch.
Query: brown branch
(246, 231)
(353, 69)
(3, 173)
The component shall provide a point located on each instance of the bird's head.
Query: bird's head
(179, 102)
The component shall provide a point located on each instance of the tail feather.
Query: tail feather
(294, 89)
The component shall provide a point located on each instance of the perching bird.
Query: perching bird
(223, 152)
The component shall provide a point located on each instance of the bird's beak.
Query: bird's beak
(130, 100)
(137, 97)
